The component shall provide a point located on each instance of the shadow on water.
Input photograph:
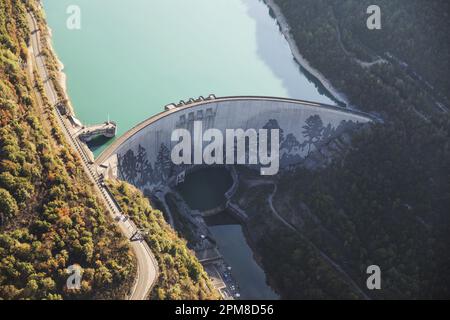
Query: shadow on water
(220, 219)
(99, 143)
(281, 60)
(205, 189)
(320, 87)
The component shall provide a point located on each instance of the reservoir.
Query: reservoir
(129, 59)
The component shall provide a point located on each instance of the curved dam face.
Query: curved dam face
(142, 156)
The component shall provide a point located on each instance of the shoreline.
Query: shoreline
(298, 57)
(61, 79)
(61, 75)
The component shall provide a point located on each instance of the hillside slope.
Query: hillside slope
(50, 217)
(181, 274)
(386, 201)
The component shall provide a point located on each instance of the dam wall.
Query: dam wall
(142, 156)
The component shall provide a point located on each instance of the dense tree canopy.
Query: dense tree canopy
(386, 201)
(181, 274)
(50, 217)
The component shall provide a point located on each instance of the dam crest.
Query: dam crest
(142, 155)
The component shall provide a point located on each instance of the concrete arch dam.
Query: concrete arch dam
(142, 155)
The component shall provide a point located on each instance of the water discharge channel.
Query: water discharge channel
(204, 190)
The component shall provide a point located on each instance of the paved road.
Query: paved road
(147, 265)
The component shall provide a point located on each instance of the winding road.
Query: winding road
(147, 267)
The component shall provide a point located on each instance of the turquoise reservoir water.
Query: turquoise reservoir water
(130, 58)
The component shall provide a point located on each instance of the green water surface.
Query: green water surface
(131, 58)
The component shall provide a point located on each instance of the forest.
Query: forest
(181, 274)
(50, 216)
(386, 201)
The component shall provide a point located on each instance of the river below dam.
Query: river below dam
(248, 274)
(211, 184)
(129, 59)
